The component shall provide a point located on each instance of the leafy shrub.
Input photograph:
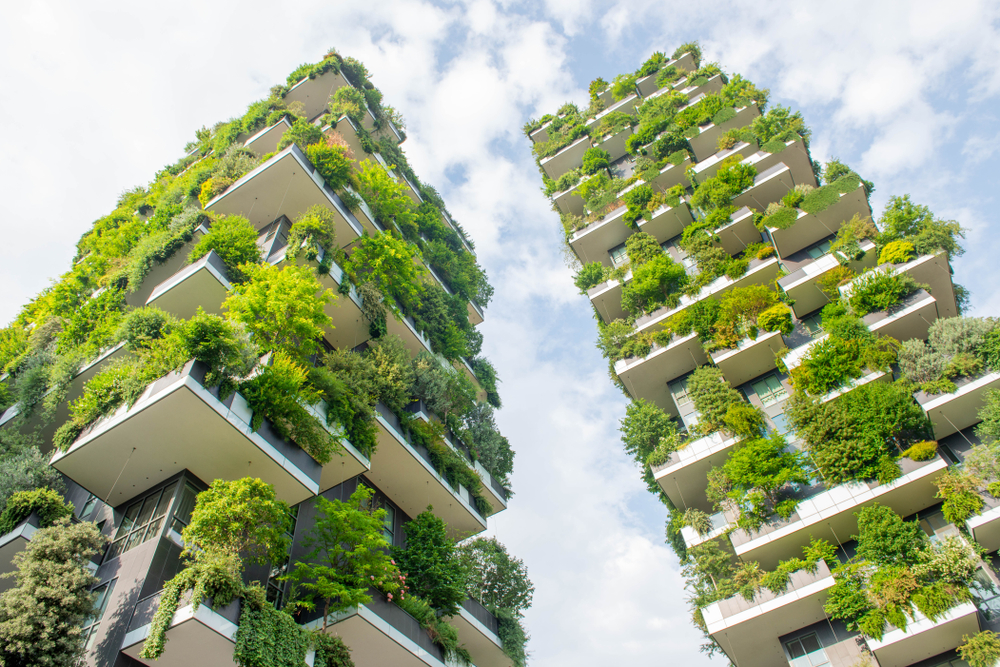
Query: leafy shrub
(595, 159)
(958, 490)
(903, 220)
(637, 200)
(45, 502)
(826, 196)
(924, 450)
(313, 231)
(331, 162)
(432, 567)
(234, 240)
(776, 318)
(142, 326)
(302, 133)
(652, 285)
(896, 252)
(879, 290)
(712, 397)
(981, 649)
(590, 275)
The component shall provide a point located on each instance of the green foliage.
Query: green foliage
(92, 327)
(740, 310)
(385, 195)
(241, 516)
(234, 239)
(45, 502)
(433, 569)
(347, 555)
(212, 574)
(494, 577)
(754, 479)
(590, 275)
(981, 649)
(388, 262)
(595, 159)
(896, 252)
(267, 637)
(776, 318)
(348, 101)
(332, 163)
(732, 178)
(902, 220)
(653, 284)
(278, 393)
(824, 197)
(850, 437)
(958, 489)
(41, 615)
(302, 133)
(879, 290)
(649, 436)
(883, 537)
(283, 308)
(314, 232)
(712, 397)
(924, 450)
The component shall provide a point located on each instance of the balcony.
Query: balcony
(705, 143)
(568, 158)
(288, 185)
(315, 93)
(910, 318)
(203, 284)
(203, 637)
(748, 631)
(710, 87)
(47, 429)
(769, 186)
(404, 470)
(924, 638)
(569, 201)
(167, 430)
(607, 298)
(593, 241)
(719, 523)
(935, 272)
(478, 631)
(614, 143)
(738, 233)
(810, 228)
(709, 167)
(831, 513)
(380, 633)
(802, 282)
(682, 478)
(750, 359)
(647, 84)
(541, 135)
(647, 377)
(950, 413)
(161, 272)
(266, 141)
(12, 544)
(673, 174)
(759, 272)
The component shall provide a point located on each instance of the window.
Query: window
(986, 596)
(679, 389)
(813, 323)
(769, 390)
(818, 251)
(618, 256)
(88, 507)
(806, 652)
(937, 527)
(89, 632)
(389, 523)
(182, 515)
(142, 521)
(275, 586)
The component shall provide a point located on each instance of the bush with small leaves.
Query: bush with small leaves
(595, 159)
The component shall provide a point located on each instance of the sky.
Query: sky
(97, 96)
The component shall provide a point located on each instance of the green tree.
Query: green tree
(432, 568)
(40, 617)
(389, 263)
(903, 220)
(645, 429)
(242, 516)
(385, 195)
(332, 162)
(494, 577)
(883, 537)
(347, 555)
(46, 503)
(283, 308)
(712, 396)
(234, 240)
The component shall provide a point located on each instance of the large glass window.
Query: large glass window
(142, 521)
(806, 652)
(618, 255)
(813, 323)
(275, 586)
(818, 251)
(185, 505)
(88, 507)
(93, 622)
(389, 523)
(769, 390)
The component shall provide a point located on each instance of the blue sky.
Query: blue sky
(98, 96)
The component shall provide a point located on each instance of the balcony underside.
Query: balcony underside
(12, 544)
(684, 482)
(831, 515)
(195, 638)
(568, 158)
(161, 272)
(413, 483)
(483, 645)
(911, 318)
(751, 359)
(935, 272)
(811, 228)
(924, 638)
(178, 424)
(950, 413)
(705, 144)
(770, 186)
(985, 528)
(284, 185)
(314, 94)
(739, 233)
(203, 284)
(647, 377)
(266, 141)
(607, 299)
